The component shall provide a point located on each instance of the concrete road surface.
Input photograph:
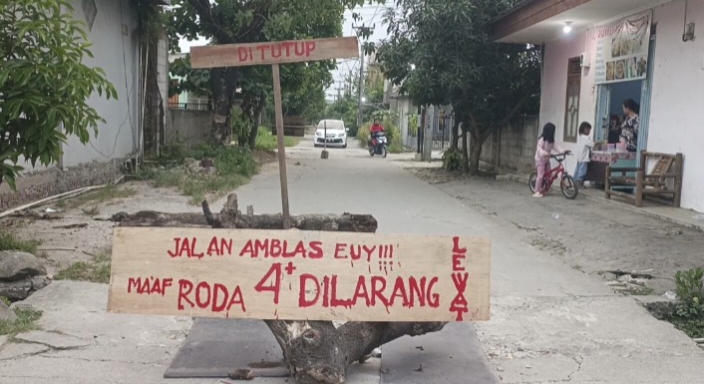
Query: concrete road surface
(549, 323)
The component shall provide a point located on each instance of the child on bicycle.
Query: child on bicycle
(546, 144)
(584, 147)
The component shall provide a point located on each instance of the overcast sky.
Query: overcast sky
(371, 14)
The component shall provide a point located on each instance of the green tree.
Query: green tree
(345, 109)
(441, 52)
(237, 22)
(44, 85)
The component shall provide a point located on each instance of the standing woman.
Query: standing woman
(629, 127)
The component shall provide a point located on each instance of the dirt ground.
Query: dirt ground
(587, 235)
(90, 232)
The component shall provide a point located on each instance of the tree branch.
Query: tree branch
(205, 13)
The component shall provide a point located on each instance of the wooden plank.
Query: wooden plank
(282, 147)
(299, 275)
(679, 162)
(277, 52)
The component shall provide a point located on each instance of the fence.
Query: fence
(188, 127)
(199, 106)
(442, 130)
(512, 147)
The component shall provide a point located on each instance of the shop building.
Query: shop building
(599, 53)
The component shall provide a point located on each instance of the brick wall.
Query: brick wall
(188, 127)
(511, 149)
(53, 181)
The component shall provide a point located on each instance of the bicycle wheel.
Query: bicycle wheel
(531, 182)
(569, 187)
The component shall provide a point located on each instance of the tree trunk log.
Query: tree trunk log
(317, 352)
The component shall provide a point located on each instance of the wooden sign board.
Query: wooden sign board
(277, 52)
(299, 275)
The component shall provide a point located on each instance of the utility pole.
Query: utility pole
(338, 89)
(348, 84)
(360, 90)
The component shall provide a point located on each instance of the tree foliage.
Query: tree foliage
(441, 52)
(44, 84)
(237, 22)
(345, 109)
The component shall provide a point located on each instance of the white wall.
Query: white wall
(118, 56)
(117, 137)
(677, 115)
(677, 104)
(554, 88)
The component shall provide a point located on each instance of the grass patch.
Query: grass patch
(10, 242)
(108, 193)
(233, 167)
(638, 291)
(688, 314)
(26, 321)
(96, 271)
(694, 328)
(267, 141)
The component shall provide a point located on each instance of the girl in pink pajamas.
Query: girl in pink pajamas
(546, 144)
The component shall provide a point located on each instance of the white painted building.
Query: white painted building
(112, 28)
(404, 109)
(670, 92)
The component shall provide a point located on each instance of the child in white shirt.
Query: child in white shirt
(584, 147)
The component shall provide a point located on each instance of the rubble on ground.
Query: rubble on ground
(21, 274)
(205, 166)
(6, 313)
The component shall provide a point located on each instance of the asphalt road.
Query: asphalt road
(550, 323)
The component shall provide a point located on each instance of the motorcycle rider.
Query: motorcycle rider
(375, 130)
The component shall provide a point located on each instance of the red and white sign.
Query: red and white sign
(277, 52)
(299, 275)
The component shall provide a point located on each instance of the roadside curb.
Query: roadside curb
(591, 197)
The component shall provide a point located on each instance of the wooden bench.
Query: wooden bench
(654, 185)
(293, 126)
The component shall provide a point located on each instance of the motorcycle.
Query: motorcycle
(377, 145)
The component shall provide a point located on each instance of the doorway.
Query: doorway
(610, 97)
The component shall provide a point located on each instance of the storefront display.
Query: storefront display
(622, 49)
(604, 155)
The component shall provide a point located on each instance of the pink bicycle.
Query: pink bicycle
(568, 185)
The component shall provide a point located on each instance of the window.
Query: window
(574, 85)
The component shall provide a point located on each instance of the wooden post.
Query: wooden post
(607, 182)
(282, 147)
(324, 155)
(679, 163)
(274, 53)
(639, 188)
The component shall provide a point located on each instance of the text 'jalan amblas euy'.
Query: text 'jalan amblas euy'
(309, 275)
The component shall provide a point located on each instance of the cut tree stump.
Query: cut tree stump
(316, 352)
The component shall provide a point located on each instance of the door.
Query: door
(645, 101)
(601, 122)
